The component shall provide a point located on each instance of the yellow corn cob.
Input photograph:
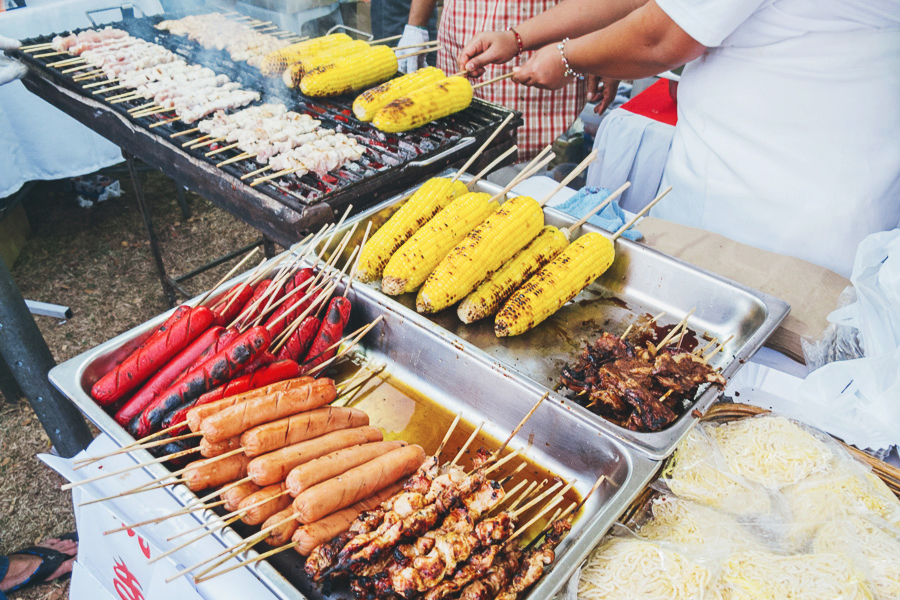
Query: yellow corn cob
(351, 73)
(371, 101)
(274, 63)
(586, 259)
(481, 253)
(425, 105)
(495, 290)
(293, 75)
(415, 259)
(435, 194)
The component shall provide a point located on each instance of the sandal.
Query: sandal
(51, 560)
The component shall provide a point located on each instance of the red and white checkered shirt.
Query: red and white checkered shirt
(547, 114)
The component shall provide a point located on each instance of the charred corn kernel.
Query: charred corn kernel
(481, 253)
(351, 73)
(415, 259)
(371, 101)
(274, 63)
(293, 75)
(425, 105)
(435, 194)
(586, 259)
(496, 289)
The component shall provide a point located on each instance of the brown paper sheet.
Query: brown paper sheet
(812, 291)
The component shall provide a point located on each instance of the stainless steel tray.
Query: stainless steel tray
(438, 367)
(641, 281)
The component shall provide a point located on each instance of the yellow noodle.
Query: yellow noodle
(772, 451)
(630, 569)
(873, 551)
(685, 522)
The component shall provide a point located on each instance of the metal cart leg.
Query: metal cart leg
(268, 247)
(8, 385)
(182, 201)
(165, 281)
(23, 348)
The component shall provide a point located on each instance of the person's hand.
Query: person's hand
(543, 70)
(9, 43)
(10, 70)
(412, 36)
(601, 90)
(487, 48)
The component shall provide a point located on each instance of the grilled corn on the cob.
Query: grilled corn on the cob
(367, 104)
(481, 253)
(435, 194)
(424, 105)
(496, 289)
(586, 259)
(415, 259)
(351, 73)
(293, 75)
(274, 63)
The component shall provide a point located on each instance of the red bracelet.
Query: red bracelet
(518, 40)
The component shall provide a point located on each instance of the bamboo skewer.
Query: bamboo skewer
(136, 490)
(223, 149)
(194, 141)
(209, 142)
(544, 510)
(185, 132)
(411, 46)
(640, 214)
(494, 80)
(491, 166)
(228, 275)
(141, 107)
(499, 464)
(67, 62)
(256, 172)
(60, 53)
(718, 348)
(135, 445)
(482, 148)
(383, 40)
(123, 98)
(36, 47)
(537, 499)
(73, 484)
(346, 350)
(462, 450)
(76, 69)
(106, 89)
(426, 51)
(571, 176)
(177, 513)
(80, 464)
(150, 113)
(99, 83)
(260, 180)
(701, 351)
(88, 77)
(164, 122)
(244, 563)
(567, 231)
(238, 158)
(678, 327)
(521, 424)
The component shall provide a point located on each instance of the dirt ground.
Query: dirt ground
(96, 261)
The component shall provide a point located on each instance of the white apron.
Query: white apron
(788, 133)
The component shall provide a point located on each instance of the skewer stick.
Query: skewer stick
(627, 331)
(177, 513)
(151, 113)
(411, 46)
(206, 143)
(313, 306)
(280, 173)
(238, 158)
(462, 450)
(567, 231)
(223, 149)
(141, 107)
(718, 348)
(137, 443)
(80, 464)
(116, 97)
(426, 51)
(363, 373)
(700, 352)
(98, 84)
(122, 98)
(494, 80)
(491, 166)
(516, 489)
(136, 490)
(503, 461)
(228, 275)
(520, 425)
(218, 492)
(350, 391)
(50, 54)
(447, 435)
(35, 47)
(346, 350)
(571, 176)
(526, 494)
(79, 68)
(194, 141)
(681, 324)
(547, 508)
(358, 257)
(387, 39)
(249, 561)
(106, 89)
(234, 293)
(525, 174)
(538, 499)
(267, 29)
(74, 484)
(185, 132)
(164, 122)
(640, 214)
(88, 75)
(227, 521)
(68, 61)
(256, 172)
(483, 147)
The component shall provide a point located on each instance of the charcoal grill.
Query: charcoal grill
(286, 208)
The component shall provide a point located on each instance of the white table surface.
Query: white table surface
(40, 141)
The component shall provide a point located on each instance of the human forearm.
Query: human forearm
(420, 11)
(573, 18)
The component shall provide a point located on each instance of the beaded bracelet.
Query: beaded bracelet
(569, 72)
(518, 41)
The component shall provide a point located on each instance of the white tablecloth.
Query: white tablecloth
(40, 141)
(631, 148)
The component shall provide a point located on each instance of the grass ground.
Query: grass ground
(98, 262)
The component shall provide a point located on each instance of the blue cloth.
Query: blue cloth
(4, 567)
(611, 218)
